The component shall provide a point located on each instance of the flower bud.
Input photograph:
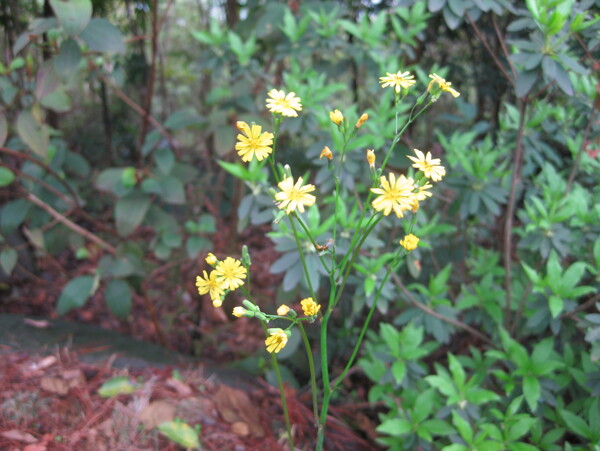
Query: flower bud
(239, 311)
(211, 259)
(217, 303)
(283, 310)
(362, 120)
(371, 158)
(326, 152)
(336, 117)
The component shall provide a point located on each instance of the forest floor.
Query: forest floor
(49, 398)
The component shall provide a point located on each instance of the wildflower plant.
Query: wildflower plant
(294, 198)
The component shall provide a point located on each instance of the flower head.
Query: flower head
(409, 242)
(230, 273)
(431, 167)
(310, 307)
(239, 311)
(397, 81)
(442, 84)
(211, 259)
(371, 158)
(294, 197)
(327, 153)
(394, 194)
(283, 310)
(361, 120)
(336, 117)
(252, 142)
(210, 284)
(282, 103)
(276, 341)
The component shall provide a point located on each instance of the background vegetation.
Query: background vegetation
(117, 126)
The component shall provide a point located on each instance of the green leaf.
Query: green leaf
(424, 404)
(520, 428)
(120, 385)
(130, 211)
(33, 133)
(75, 293)
(463, 426)
(6, 176)
(458, 373)
(13, 214)
(8, 260)
(480, 396)
(438, 427)
(395, 427)
(398, 371)
(195, 244)
(72, 15)
(181, 433)
(525, 81)
(118, 297)
(67, 61)
(532, 391)
(102, 36)
(576, 424)
(172, 190)
(444, 385)
(58, 101)
(556, 305)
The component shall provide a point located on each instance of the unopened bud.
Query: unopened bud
(336, 117)
(371, 158)
(362, 120)
(283, 310)
(326, 152)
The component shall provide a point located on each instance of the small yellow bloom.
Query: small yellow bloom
(310, 307)
(394, 194)
(252, 142)
(283, 310)
(397, 81)
(284, 104)
(362, 120)
(230, 273)
(211, 259)
(210, 284)
(336, 117)
(371, 158)
(409, 242)
(431, 167)
(239, 311)
(276, 341)
(294, 197)
(443, 85)
(326, 152)
(423, 192)
(217, 303)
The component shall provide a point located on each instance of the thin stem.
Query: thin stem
(312, 240)
(302, 259)
(325, 375)
(391, 267)
(311, 367)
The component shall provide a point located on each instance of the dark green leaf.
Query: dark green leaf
(102, 36)
(67, 61)
(525, 81)
(532, 391)
(75, 294)
(195, 244)
(58, 100)
(118, 298)
(130, 212)
(576, 424)
(72, 15)
(13, 214)
(8, 260)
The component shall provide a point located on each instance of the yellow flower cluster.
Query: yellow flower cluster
(227, 275)
(404, 80)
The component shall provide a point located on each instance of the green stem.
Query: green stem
(312, 240)
(391, 267)
(311, 367)
(302, 258)
(326, 388)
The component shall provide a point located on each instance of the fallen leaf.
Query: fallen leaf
(240, 428)
(54, 385)
(235, 405)
(46, 362)
(181, 388)
(157, 412)
(20, 436)
(36, 447)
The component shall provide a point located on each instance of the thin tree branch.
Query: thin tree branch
(437, 315)
(510, 208)
(503, 45)
(581, 149)
(70, 224)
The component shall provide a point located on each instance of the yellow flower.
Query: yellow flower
(397, 81)
(336, 117)
(409, 242)
(371, 158)
(423, 192)
(217, 303)
(362, 120)
(395, 194)
(276, 341)
(252, 143)
(294, 197)
(431, 167)
(211, 259)
(230, 273)
(310, 307)
(210, 284)
(239, 311)
(326, 152)
(282, 103)
(443, 85)
(283, 310)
